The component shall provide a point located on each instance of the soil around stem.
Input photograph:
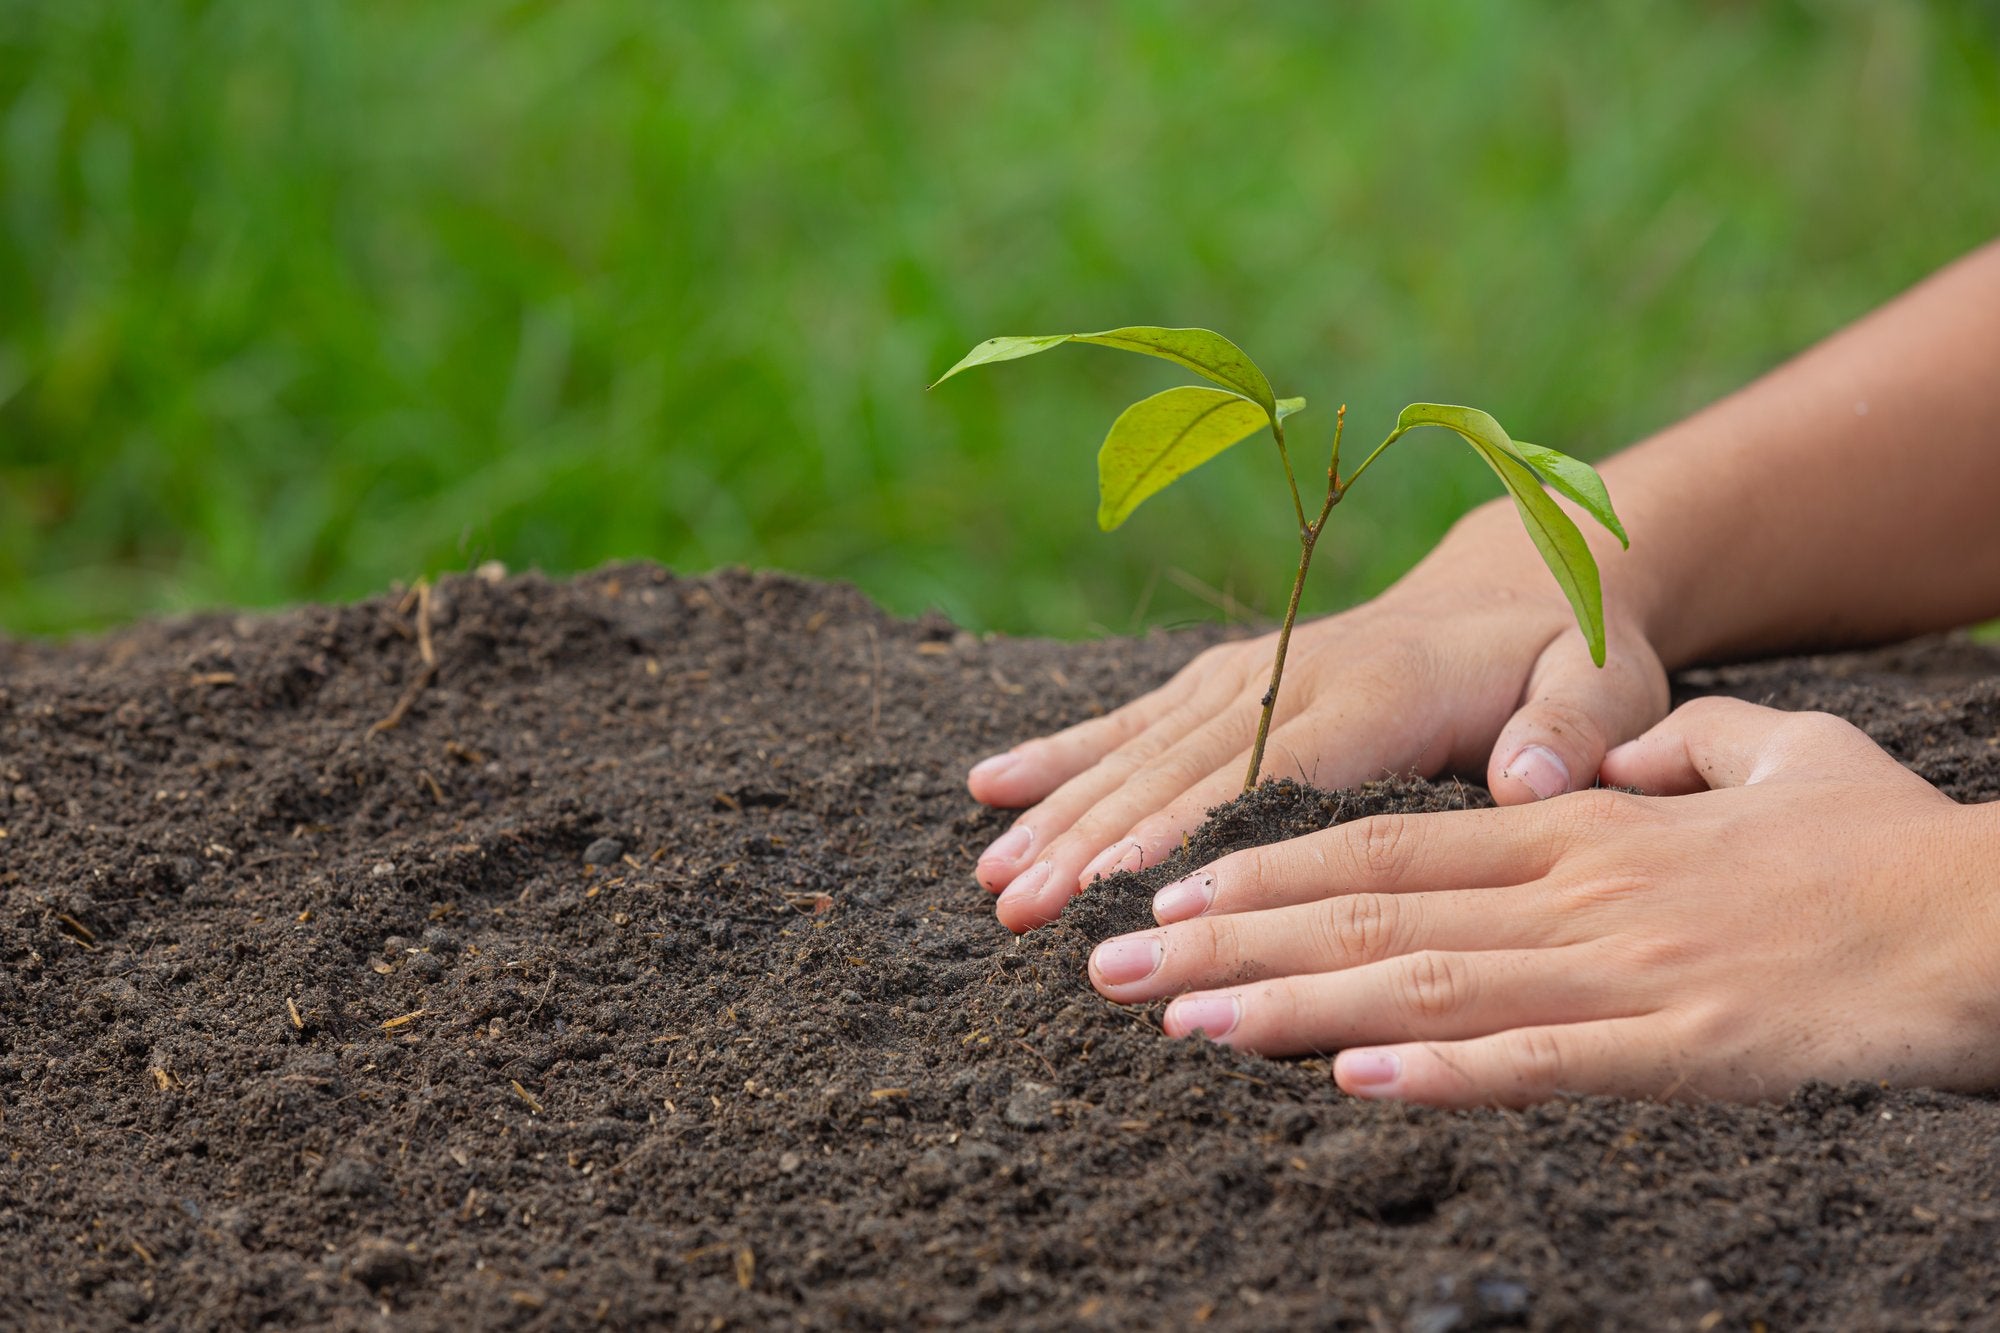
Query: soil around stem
(636, 976)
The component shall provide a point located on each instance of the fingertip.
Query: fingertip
(1123, 962)
(1372, 1072)
(1000, 863)
(1532, 772)
(1002, 781)
(1623, 765)
(1215, 1015)
(1123, 855)
(1032, 899)
(1184, 898)
(992, 767)
(1150, 842)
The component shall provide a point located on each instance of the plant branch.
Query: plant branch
(1394, 436)
(1333, 464)
(1308, 539)
(1284, 456)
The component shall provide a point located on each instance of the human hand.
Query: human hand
(1473, 663)
(1813, 910)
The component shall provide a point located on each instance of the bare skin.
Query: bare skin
(1815, 911)
(1848, 497)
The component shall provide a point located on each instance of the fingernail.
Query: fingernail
(1127, 959)
(1213, 1016)
(1542, 769)
(1119, 856)
(1028, 883)
(1184, 898)
(1011, 845)
(995, 766)
(1375, 1070)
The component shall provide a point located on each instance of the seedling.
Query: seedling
(1161, 438)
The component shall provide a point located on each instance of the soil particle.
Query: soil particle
(603, 852)
(1028, 1107)
(349, 1178)
(382, 1263)
(769, 1060)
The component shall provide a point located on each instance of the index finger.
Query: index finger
(1394, 853)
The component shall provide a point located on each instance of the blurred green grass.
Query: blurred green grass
(300, 299)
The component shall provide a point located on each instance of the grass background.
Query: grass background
(298, 299)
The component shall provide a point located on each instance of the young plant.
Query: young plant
(1163, 437)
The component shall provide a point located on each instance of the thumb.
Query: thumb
(1718, 742)
(1574, 712)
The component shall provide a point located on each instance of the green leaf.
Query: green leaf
(1479, 428)
(1579, 481)
(1290, 407)
(1166, 436)
(1003, 349)
(1562, 547)
(1203, 352)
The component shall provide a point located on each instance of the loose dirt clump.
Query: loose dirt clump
(533, 955)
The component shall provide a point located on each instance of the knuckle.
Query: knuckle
(1380, 844)
(1598, 811)
(1360, 927)
(1535, 1057)
(1390, 676)
(1612, 890)
(1435, 985)
(1711, 1025)
(1709, 709)
(1821, 727)
(1569, 722)
(1211, 950)
(1656, 953)
(1283, 1005)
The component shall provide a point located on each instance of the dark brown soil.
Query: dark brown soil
(637, 976)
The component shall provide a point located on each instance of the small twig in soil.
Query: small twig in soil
(1038, 1055)
(1245, 1078)
(390, 1025)
(396, 714)
(426, 650)
(526, 1096)
(875, 684)
(644, 1148)
(292, 1008)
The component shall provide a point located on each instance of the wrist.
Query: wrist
(1978, 829)
(1965, 989)
(1491, 548)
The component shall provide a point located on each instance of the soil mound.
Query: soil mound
(537, 955)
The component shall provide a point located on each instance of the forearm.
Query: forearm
(1850, 496)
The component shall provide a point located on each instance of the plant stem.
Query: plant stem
(1308, 539)
(1394, 436)
(1285, 457)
